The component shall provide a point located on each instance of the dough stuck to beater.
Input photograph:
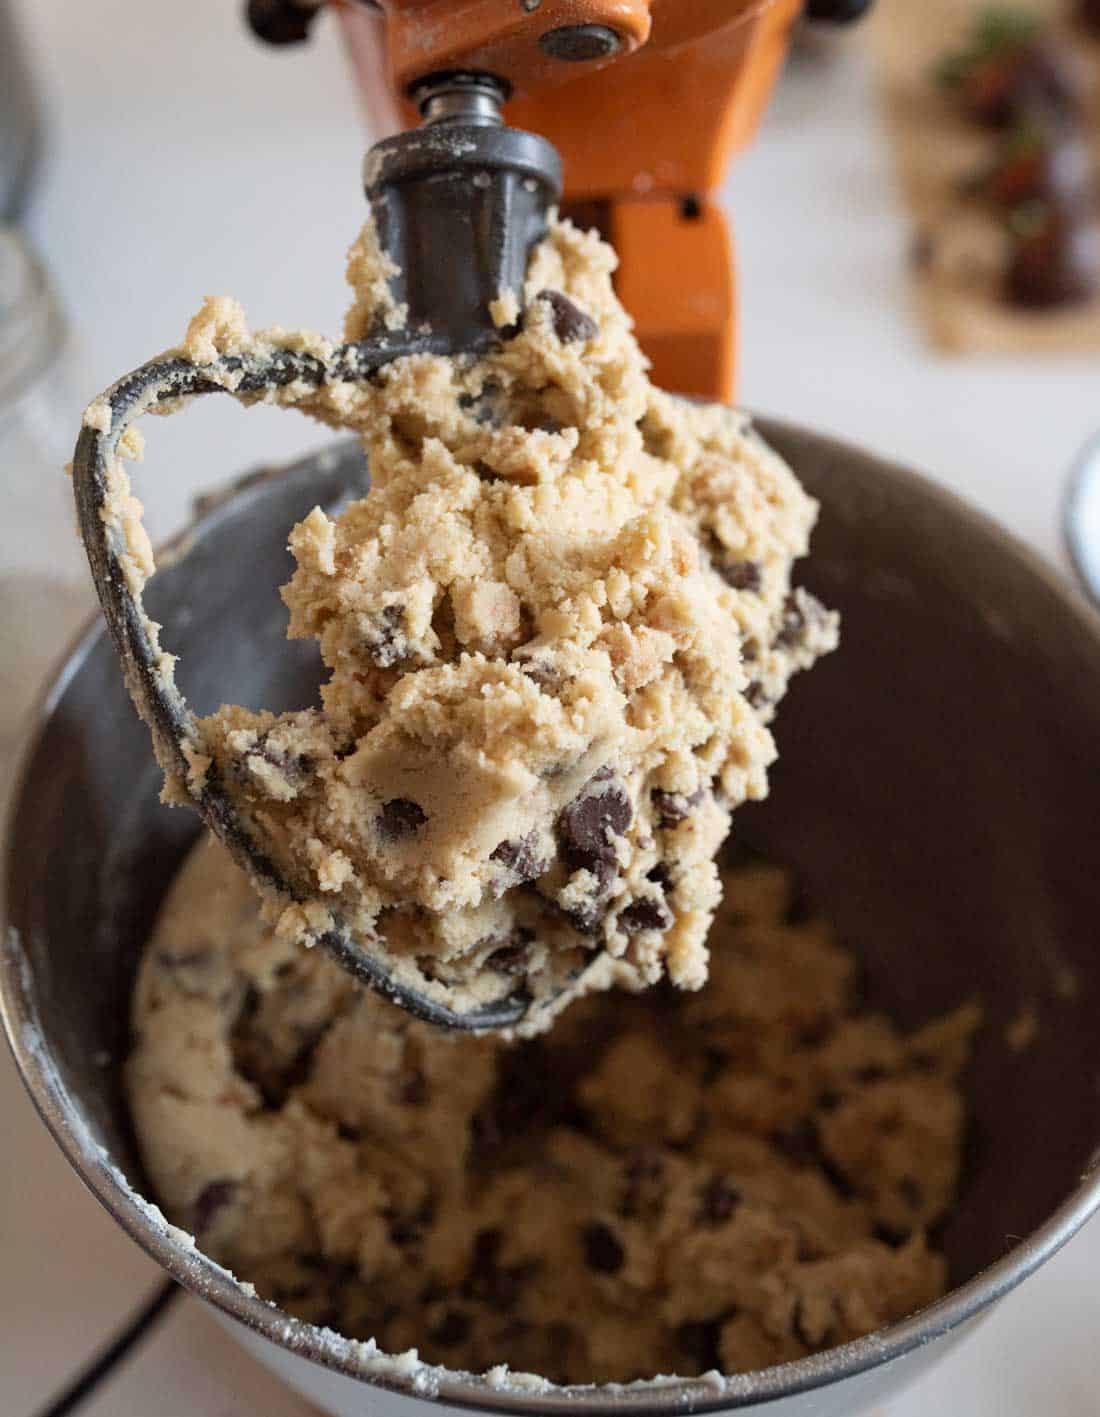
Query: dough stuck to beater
(555, 630)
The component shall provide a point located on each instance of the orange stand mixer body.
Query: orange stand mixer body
(645, 129)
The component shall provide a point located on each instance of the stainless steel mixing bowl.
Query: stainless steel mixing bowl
(939, 791)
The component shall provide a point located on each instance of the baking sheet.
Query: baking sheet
(957, 256)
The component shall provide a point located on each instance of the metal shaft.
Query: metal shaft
(471, 99)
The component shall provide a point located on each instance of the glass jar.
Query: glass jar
(44, 583)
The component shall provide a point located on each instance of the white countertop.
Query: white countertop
(186, 160)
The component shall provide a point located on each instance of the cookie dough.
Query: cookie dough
(555, 633)
(665, 1183)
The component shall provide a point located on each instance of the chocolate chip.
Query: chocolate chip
(273, 1071)
(521, 856)
(911, 1192)
(484, 407)
(400, 818)
(293, 767)
(248, 1007)
(415, 1091)
(837, 1178)
(508, 1286)
(571, 324)
(603, 1251)
(1088, 13)
(453, 1328)
(701, 1342)
(487, 1280)
(742, 575)
(589, 824)
(512, 959)
(800, 911)
(560, 1343)
(214, 1197)
(661, 876)
(383, 640)
(406, 1231)
(799, 1144)
(719, 1200)
(645, 913)
(675, 807)
(588, 915)
(643, 1180)
(872, 1072)
(756, 696)
(542, 672)
(715, 1062)
(801, 612)
(487, 1245)
(645, 1166)
(409, 1229)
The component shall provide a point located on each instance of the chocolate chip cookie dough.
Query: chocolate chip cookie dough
(665, 1183)
(556, 631)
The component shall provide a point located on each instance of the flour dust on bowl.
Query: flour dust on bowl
(937, 783)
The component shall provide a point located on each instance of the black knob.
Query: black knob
(577, 44)
(280, 21)
(837, 12)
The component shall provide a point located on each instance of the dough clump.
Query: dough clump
(555, 631)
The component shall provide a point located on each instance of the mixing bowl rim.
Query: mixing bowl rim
(177, 1253)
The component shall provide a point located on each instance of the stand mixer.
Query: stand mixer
(458, 203)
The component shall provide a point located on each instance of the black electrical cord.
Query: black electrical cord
(93, 1373)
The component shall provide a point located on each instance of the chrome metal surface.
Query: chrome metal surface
(461, 98)
(1081, 518)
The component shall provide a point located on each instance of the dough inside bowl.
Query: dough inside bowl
(665, 1183)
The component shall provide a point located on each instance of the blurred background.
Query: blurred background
(154, 153)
